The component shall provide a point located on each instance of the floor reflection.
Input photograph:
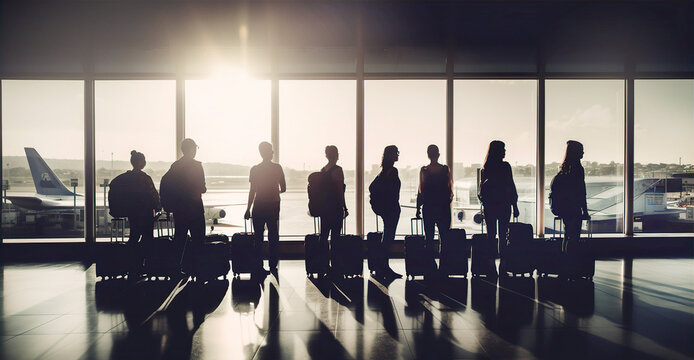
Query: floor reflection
(637, 309)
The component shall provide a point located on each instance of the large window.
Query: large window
(487, 110)
(314, 114)
(663, 156)
(227, 118)
(410, 114)
(591, 112)
(42, 150)
(132, 115)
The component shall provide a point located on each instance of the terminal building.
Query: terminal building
(85, 83)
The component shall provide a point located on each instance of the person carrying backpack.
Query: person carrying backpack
(181, 193)
(434, 198)
(333, 208)
(568, 192)
(497, 192)
(132, 194)
(385, 201)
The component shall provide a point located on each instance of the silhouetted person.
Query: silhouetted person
(576, 208)
(497, 191)
(334, 208)
(267, 182)
(145, 200)
(189, 214)
(386, 188)
(434, 198)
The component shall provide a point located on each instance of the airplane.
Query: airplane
(54, 197)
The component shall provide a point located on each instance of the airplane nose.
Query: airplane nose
(222, 214)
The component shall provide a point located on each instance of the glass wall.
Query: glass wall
(591, 112)
(132, 115)
(663, 156)
(227, 118)
(42, 158)
(487, 110)
(314, 114)
(410, 114)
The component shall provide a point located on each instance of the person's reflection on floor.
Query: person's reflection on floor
(245, 298)
(380, 301)
(483, 300)
(516, 306)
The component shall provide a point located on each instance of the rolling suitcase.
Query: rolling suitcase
(578, 260)
(455, 251)
(547, 256)
(316, 255)
(160, 257)
(417, 263)
(517, 253)
(482, 258)
(244, 252)
(114, 259)
(211, 259)
(375, 250)
(350, 261)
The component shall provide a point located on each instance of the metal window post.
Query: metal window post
(2, 180)
(180, 115)
(540, 161)
(360, 131)
(275, 116)
(89, 163)
(449, 109)
(629, 155)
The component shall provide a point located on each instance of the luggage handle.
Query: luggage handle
(414, 224)
(343, 231)
(245, 224)
(316, 225)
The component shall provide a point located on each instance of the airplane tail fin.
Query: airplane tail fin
(45, 180)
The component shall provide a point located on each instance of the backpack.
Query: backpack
(119, 200)
(317, 193)
(560, 194)
(377, 195)
(170, 190)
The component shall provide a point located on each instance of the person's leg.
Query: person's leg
(490, 220)
(572, 228)
(259, 221)
(181, 226)
(443, 222)
(390, 225)
(429, 220)
(273, 240)
(133, 244)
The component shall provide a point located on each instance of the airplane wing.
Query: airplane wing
(37, 204)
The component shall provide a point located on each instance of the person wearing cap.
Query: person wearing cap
(189, 215)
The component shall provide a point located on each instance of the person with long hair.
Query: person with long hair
(385, 193)
(576, 209)
(434, 199)
(497, 192)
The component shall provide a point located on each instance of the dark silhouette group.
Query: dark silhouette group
(183, 185)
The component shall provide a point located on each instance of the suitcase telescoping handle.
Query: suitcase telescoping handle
(316, 225)
(377, 223)
(245, 224)
(414, 226)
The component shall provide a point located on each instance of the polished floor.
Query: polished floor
(60, 311)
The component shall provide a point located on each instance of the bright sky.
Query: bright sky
(228, 118)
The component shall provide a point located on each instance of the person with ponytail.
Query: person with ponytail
(575, 210)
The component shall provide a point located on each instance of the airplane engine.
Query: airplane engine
(478, 218)
(214, 214)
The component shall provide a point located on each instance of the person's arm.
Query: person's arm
(514, 191)
(155, 195)
(419, 194)
(203, 187)
(582, 192)
(339, 178)
(283, 183)
(251, 196)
